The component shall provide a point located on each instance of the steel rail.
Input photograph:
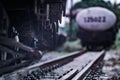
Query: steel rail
(91, 65)
(69, 75)
(56, 61)
(48, 65)
(51, 64)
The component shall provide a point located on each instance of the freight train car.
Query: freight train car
(97, 22)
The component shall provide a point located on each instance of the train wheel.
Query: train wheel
(94, 48)
(89, 47)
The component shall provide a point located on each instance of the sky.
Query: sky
(68, 6)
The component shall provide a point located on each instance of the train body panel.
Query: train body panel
(96, 19)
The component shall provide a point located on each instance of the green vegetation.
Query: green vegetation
(117, 42)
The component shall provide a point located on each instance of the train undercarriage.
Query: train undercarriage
(98, 39)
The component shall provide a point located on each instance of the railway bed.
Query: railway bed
(75, 66)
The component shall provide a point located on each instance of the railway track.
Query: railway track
(75, 66)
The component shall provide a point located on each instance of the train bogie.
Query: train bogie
(96, 40)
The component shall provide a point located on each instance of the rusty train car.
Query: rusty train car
(35, 22)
